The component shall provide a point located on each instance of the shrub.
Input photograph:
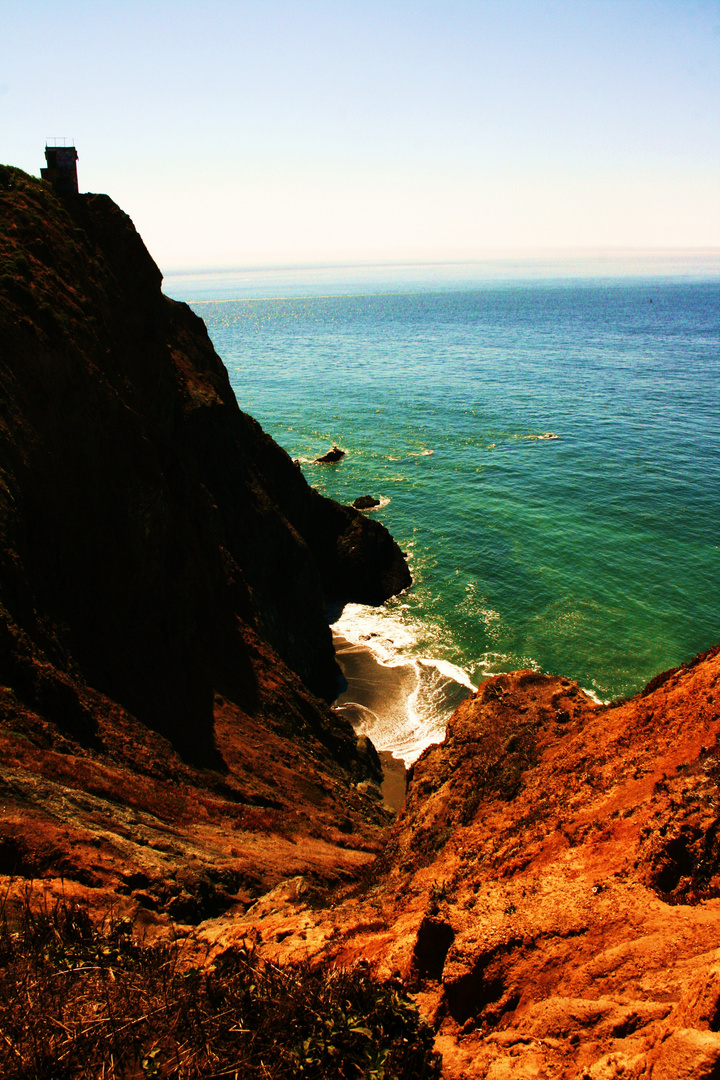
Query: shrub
(83, 1000)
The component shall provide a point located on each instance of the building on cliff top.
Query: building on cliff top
(61, 169)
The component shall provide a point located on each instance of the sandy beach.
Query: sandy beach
(403, 707)
(376, 699)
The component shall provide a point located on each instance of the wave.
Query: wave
(400, 698)
(398, 694)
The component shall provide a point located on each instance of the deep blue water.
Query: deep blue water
(595, 554)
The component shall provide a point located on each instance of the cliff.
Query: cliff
(551, 890)
(164, 566)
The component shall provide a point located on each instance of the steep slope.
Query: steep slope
(552, 886)
(551, 890)
(164, 565)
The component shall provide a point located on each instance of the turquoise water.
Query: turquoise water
(593, 554)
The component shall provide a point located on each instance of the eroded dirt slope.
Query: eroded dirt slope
(551, 889)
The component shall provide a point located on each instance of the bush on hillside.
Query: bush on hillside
(86, 1001)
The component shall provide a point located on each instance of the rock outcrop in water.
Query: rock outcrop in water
(164, 566)
(333, 455)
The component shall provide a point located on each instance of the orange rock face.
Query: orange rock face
(551, 889)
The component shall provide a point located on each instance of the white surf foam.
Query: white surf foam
(409, 710)
(424, 692)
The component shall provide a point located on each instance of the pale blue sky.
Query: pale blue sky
(242, 133)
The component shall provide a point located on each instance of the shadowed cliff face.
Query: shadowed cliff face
(145, 519)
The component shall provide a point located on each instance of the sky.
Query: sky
(240, 133)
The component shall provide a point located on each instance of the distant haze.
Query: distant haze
(248, 133)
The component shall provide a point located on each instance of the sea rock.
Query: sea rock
(333, 455)
(366, 502)
(371, 758)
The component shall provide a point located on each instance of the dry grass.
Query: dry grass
(90, 1001)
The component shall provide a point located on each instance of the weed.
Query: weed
(80, 999)
(439, 891)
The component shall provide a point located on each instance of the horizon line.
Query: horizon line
(504, 254)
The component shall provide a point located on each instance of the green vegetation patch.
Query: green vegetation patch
(81, 1000)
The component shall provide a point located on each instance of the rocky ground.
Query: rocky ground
(550, 890)
(133, 827)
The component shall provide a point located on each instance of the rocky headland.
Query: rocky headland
(165, 655)
(550, 891)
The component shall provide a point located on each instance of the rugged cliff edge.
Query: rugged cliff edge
(164, 565)
(551, 889)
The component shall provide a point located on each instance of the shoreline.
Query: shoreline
(376, 696)
(402, 704)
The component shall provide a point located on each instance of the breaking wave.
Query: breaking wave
(397, 696)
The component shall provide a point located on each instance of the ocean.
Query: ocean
(544, 440)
